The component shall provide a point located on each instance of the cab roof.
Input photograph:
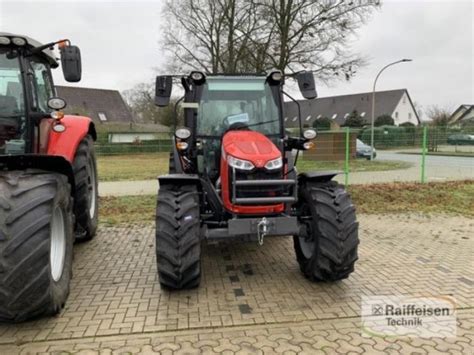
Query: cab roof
(48, 54)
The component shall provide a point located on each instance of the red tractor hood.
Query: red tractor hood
(249, 145)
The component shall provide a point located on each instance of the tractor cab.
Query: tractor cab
(27, 93)
(247, 107)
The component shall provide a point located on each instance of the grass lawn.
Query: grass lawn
(442, 197)
(149, 166)
(132, 167)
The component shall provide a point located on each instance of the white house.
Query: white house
(395, 103)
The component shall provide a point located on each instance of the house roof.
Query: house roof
(92, 102)
(462, 112)
(340, 107)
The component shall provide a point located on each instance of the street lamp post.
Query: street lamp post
(373, 104)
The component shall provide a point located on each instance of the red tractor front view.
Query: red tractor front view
(48, 179)
(233, 175)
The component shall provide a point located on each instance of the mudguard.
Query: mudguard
(318, 176)
(65, 143)
(54, 164)
(179, 179)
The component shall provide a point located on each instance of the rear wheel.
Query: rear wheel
(36, 240)
(178, 245)
(326, 250)
(86, 199)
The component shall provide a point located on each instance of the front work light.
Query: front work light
(18, 41)
(5, 41)
(198, 77)
(239, 163)
(277, 76)
(274, 164)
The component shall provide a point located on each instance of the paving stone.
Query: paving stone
(253, 299)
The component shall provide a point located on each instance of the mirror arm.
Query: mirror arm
(47, 45)
(176, 113)
(299, 111)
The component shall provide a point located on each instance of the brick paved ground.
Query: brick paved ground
(254, 298)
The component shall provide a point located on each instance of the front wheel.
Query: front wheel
(326, 249)
(86, 198)
(36, 240)
(178, 244)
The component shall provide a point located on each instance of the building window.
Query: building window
(404, 99)
(319, 116)
(308, 118)
(102, 117)
(334, 116)
(362, 114)
(409, 116)
(295, 118)
(396, 114)
(346, 115)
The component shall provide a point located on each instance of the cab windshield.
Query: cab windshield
(227, 101)
(12, 110)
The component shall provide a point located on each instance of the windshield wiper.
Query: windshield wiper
(260, 123)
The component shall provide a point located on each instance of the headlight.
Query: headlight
(274, 164)
(183, 133)
(239, 163)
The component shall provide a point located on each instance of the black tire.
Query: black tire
(86, 199)
(29, 286)
(172, 165)
(178, 245)
(329, 251)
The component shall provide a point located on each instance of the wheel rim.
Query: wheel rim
(91, 187)
(58, 244)
(307, 243)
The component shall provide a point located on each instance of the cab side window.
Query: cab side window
(41, 85)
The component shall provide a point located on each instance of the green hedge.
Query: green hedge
(152, 146)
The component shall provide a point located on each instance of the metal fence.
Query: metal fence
(415, 154)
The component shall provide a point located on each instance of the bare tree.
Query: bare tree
(257, 35)
(140, 100)
(209, 35)
(439, 116)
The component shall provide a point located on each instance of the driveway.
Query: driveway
(254, 299)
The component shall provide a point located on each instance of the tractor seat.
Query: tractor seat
(8, 105)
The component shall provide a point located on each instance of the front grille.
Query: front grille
(258, 191)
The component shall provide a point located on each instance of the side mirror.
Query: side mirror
(163, 88)
(71, 63)
(306, 84)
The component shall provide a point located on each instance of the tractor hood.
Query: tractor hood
(249, 145)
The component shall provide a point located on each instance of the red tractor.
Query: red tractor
(233, 175)
(48, 178)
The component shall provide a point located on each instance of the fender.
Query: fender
(54, 164)
(179, 179)
(65, 144)
(317, 176)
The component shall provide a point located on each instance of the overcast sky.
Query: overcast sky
(119, 41)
